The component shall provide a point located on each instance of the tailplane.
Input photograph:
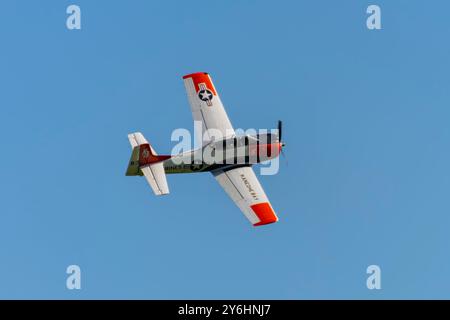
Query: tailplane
(145, 161)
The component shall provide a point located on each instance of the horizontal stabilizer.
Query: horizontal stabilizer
(145, 161)
(156, 178)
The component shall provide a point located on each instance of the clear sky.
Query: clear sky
(366, 116)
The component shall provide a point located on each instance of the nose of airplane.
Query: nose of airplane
(280, 146)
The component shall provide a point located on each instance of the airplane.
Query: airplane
(233, 155)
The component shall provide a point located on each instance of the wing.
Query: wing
(245, 190)
(206, 107)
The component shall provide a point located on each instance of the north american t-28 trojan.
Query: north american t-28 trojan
(230, 157)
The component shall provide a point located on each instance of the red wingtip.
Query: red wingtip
(191, 75)
(265, 213)
(201, 78)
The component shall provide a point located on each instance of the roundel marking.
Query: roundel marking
(205, 95)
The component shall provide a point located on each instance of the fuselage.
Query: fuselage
(231, 152)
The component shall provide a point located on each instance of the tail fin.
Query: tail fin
(148, 156)
(143, 154)
(145, 161)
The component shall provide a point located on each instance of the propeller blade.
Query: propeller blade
(280, 127)
(284, 157)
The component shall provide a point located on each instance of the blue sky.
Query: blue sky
(366, 127)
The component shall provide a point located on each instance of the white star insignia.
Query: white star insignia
(205, 95)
